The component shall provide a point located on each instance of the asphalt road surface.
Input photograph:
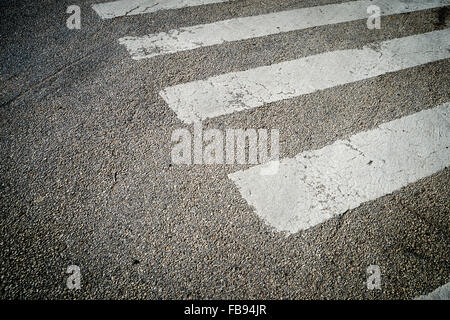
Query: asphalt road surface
(357, 207)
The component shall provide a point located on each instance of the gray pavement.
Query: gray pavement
(86, 176)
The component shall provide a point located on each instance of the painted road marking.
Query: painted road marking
(114, 9)
(237, 91)
(263, 25)
(317, 185)
(441, 293)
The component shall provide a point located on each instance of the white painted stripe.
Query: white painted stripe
(263, 25)
(114, 9)
(441, 293)
(317, 185)
(237, 91)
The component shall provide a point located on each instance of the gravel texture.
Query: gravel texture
(86, 176)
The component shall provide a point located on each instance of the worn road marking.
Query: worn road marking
(263, 25)
(237, 91)
(114, 9)
(317, 185)
(441, 293)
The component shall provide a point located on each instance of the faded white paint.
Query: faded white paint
(114, 9)
(237, 91)
(317, 185)
(258, 26)
(441, 293)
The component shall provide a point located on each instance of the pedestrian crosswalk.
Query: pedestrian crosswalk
(441, 293)
(236, 29)
(315, 185)
(237, 91)
(115, 9)
(320, 184)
